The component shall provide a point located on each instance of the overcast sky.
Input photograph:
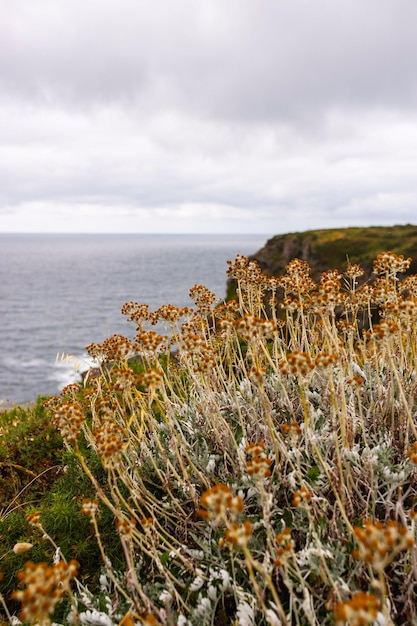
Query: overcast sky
(251, 116)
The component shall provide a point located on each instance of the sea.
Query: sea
(61, 292)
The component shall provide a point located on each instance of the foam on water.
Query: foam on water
(68, 369)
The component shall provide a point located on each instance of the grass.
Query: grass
(251, 468)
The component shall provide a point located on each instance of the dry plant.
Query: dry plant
(261, 466)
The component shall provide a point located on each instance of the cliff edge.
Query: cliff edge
(331, 248)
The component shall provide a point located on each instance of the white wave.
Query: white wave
(69, 368)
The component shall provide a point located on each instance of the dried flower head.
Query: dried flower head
(109, 441)
(285, 547)
(219, 504)
(138, 313)
(297, 280)
(354, 270)
(149, 341)
(22, 547)
(238, 534)
(302, 497)
(293, 430)
(68, 418)
(33, 518)
(203, 298)
(412, 453)
(259, 465)
(125, 527)
(45, 587)
(151, 379)
(89, 507)
(296, 363)
(391, 264)
(380, 543)
(360, 610)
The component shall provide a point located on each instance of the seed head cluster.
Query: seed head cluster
(258, 465)
(380, 543)
(218, 504)
(360, 610)
(45, 585)
(69, 417)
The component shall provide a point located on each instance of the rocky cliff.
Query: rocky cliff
(330, 249)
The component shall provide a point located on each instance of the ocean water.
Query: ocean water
(59, 293)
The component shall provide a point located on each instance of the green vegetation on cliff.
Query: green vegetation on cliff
(331, 248)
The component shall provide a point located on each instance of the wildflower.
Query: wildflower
(413, 454)
(259, 464)
(218, 502)
(285, 547)
(329, 294)
(391, 264)
(409, 285)
(125, 527)
(296, 363)
(301, 497)
(45, 587)
(360, 610)
(354, 270)
(243, 270)
(71, 390)
(137, 312)
(325, 359)
(147, 523)
(380, 543)
(382, 330)
(33, 518)
(257, 374)
(151, 379)
(171, 313)
(109, 442)
(248, 326)
(293, 430)
(148, 341)
(69, 417)
(206, 360)
(297, 280)
(355, 380)
(238, 535)
(117, 348)
(124, 379)
(203, 298)
(96, 351)
(89, 507)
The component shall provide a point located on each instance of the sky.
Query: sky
(207, 116)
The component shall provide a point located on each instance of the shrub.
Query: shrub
(256, 470)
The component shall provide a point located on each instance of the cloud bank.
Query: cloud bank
(208, 116)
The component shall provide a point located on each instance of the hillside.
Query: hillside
(330, 248)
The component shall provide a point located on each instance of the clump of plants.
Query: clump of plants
(257, 468)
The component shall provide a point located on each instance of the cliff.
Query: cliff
(330, 248)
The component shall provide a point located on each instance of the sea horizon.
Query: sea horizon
(61, 291)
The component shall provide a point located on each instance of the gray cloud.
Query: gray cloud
(212, 114)
(237, 60)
